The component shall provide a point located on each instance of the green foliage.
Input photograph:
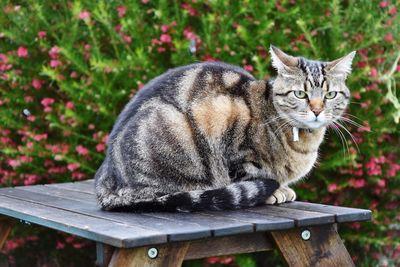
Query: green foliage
(67, 68)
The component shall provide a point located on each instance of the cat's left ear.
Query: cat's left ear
(282, 62)
(340, 67)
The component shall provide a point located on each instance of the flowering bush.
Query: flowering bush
(68, 67)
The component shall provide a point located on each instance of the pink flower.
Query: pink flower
(42, 34)
(374, 72)
(381, 183)
(73, 75)
(60, 245)
(31, 118)
(82, 150)
(28, 99)
(40, 137)
(164, 28)
(47, 109)
(393, 11)
(25, 159)
(47, 101)
(73, 166)
(165, 38)
(373, 167)
(84, 15)
(121, 11)
(54, 63)
(249, 68)
(78, 245)
(78, 175)
(37, 84)
(145, 1)
(384, 4)
(127, 39)
(100, 147)
(161, 49)
(332, 187)
(22, 52)
(69, 105)
(227, 260)
(357, 183)
(213, 260)
(13, 163)
(393, 169)
(189, 9)
(54, 51)
(388, 37)
(31, 179)
(3, 58)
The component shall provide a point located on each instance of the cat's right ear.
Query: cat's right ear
(282, 62)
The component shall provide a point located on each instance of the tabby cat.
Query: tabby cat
(209, 136)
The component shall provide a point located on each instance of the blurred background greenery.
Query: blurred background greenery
(68, 67)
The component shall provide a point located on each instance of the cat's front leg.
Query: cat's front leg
(281, 195)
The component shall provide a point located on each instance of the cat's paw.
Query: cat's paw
(289, 193)
(281, 195)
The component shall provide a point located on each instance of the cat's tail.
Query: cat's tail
(234, 196)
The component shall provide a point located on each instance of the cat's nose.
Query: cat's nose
(316, 106)
(317, 111)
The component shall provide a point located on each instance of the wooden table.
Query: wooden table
(304, 233)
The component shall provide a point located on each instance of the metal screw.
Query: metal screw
(152, 253)
(306, 235)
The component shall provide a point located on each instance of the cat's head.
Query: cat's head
(308, 93)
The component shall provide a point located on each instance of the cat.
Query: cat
(209, 136)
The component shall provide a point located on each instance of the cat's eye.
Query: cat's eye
(331, 95)
(300, 94)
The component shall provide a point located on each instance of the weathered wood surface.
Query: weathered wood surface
(227, 245)
(93, 228)
(342, 214)
(324, 248)
(170, 255)
(5, 229)
(72, 208)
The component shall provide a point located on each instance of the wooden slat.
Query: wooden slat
(342, 214)
(218, 246)
(323, 248)
(77, 186)
(301, 217)
(5, 228)
(120, 235)
(218, 225)
(60, 192)
(261, 222)
(221, 222)
(90, 181)
(176, 230)
(169, 255)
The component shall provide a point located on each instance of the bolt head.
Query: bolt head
(152, 253)
(305, 234)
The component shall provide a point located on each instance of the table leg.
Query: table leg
(5, 229)
(168, 255)
(104, 253)
(321, 246)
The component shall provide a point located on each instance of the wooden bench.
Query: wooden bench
(304, 233)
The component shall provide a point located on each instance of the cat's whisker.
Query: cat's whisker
(347, 131)
(351, 115)
(352, 122)
(342, 139)
(273, 119)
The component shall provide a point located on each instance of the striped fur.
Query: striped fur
(209, 136)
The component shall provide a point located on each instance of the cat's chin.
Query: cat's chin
(314, 124)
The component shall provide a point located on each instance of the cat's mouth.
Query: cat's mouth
(311, 121)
